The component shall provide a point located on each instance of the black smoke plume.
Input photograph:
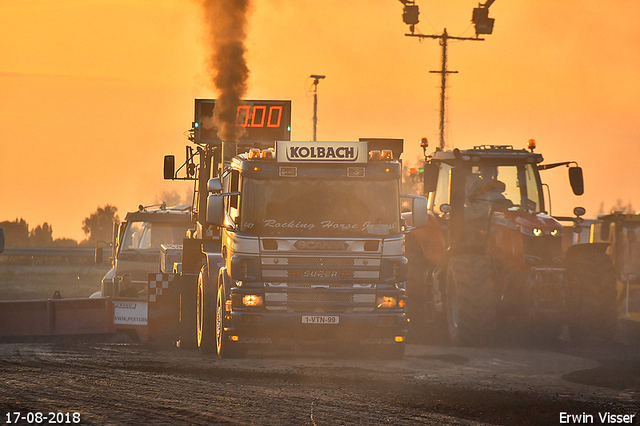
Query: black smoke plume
(227, 23)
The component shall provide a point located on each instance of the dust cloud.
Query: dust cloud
(227, 24)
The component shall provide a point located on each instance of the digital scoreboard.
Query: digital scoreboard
(266, 120)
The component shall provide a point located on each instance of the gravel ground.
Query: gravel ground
(119, 384)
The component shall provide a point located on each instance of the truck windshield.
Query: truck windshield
(319, 208)
(147, 235)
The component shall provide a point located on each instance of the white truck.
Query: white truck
(138, 242)
(297, 241)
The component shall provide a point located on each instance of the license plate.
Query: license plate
(320, 319)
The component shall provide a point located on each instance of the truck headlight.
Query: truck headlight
(252, 300)
(386, 302)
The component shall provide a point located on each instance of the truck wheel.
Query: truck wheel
(591, 281)
(470, 300)
(206, 314)
(224, 346)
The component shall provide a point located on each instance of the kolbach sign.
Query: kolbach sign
(321, 152)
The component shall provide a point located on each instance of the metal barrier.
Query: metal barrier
(155, 318)
(72, 317)
(77, 253)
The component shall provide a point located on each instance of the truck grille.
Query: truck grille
(319, 297)
(320, 261)
(320, 283)
(314, 269)
(313, 299)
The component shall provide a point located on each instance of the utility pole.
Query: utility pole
(316, 80)
(444, 37)
(483, 25)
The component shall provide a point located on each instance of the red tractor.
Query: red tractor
(491, 255)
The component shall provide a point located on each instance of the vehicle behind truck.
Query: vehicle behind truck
(492, 255)
(137, 245)
(301, 242)
(622, 233)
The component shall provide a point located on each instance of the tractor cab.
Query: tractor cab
(491, 186)
(492, 254)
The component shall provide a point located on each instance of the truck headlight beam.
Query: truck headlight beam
(386, 302)
(252, 300)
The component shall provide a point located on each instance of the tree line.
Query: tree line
(98, 226)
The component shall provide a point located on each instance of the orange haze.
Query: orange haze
(95, 92)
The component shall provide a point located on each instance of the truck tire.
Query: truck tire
(206, 321)
(470, 300)
(224, 346)
(591, 282)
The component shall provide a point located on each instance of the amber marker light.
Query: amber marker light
(399, 339)
(251, 300)
(531, 144)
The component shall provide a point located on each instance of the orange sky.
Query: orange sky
(93, 93)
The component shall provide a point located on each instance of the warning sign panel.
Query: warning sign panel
(134, 313)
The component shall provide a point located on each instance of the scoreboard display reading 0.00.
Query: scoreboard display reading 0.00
(261, 121)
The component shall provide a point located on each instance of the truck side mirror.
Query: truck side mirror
(430, 177)
(215, 210)
(169, 167)
(576, 180)
(214, 185)
(98, 255)
(122, 228)
(1, 240)
(420, 212)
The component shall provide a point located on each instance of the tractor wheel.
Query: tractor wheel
(426, 325)
(224, 346)
(591, 282)
(470, 300)
(417, 309)
(206, 314)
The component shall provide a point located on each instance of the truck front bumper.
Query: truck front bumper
(340, 328)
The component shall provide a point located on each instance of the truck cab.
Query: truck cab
(137, 245)
(313, 249)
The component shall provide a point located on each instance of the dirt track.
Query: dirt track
(131, 384)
